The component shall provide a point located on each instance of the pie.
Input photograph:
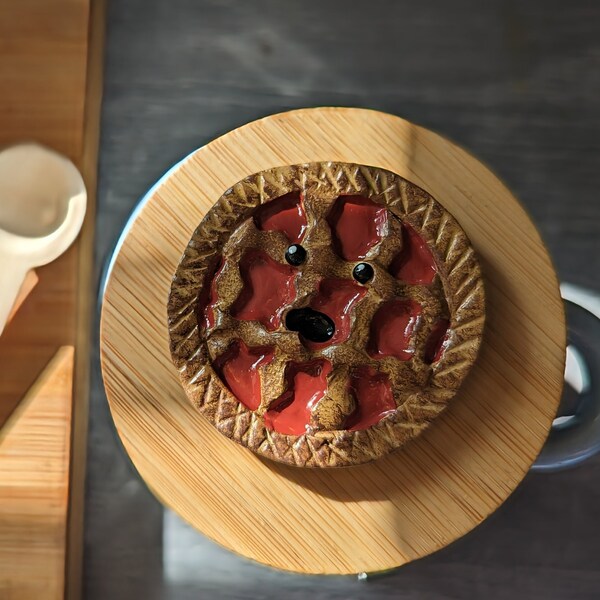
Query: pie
(324, 314)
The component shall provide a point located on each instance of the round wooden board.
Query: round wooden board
(376, 516)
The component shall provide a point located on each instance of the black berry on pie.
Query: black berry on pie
(363, 272)
(295, 255)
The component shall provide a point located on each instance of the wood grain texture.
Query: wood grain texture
(404, 506)
(42, 75)
(30, 282)
(85, 302)
(34, 452)
(45, 97)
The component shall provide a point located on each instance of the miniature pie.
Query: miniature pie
(324, 314)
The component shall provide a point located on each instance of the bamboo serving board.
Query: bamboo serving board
(376, 516)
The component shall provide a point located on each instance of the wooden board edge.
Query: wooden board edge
(85, 303)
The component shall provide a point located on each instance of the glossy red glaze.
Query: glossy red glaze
(374, 398)
(307, 384)
(336, 298)
(357, 224)
(392, 329)
(238, 367)
(415, 263)
(285, 214)
(268, 289)
(208, 296)
(437, 341)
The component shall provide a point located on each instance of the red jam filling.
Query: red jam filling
(437, 341)
(374, 398)
(268, 289)
(357, 224)
(307, 384)
(392, 329)
(336, 298)
(238, 367)
(208, 296)
(414, 264)
(284, 214)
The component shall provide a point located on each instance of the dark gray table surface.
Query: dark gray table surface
(516, 83)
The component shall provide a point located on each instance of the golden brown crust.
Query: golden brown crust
(458, 290)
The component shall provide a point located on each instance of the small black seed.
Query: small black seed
(295, 255)
(363, 272)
